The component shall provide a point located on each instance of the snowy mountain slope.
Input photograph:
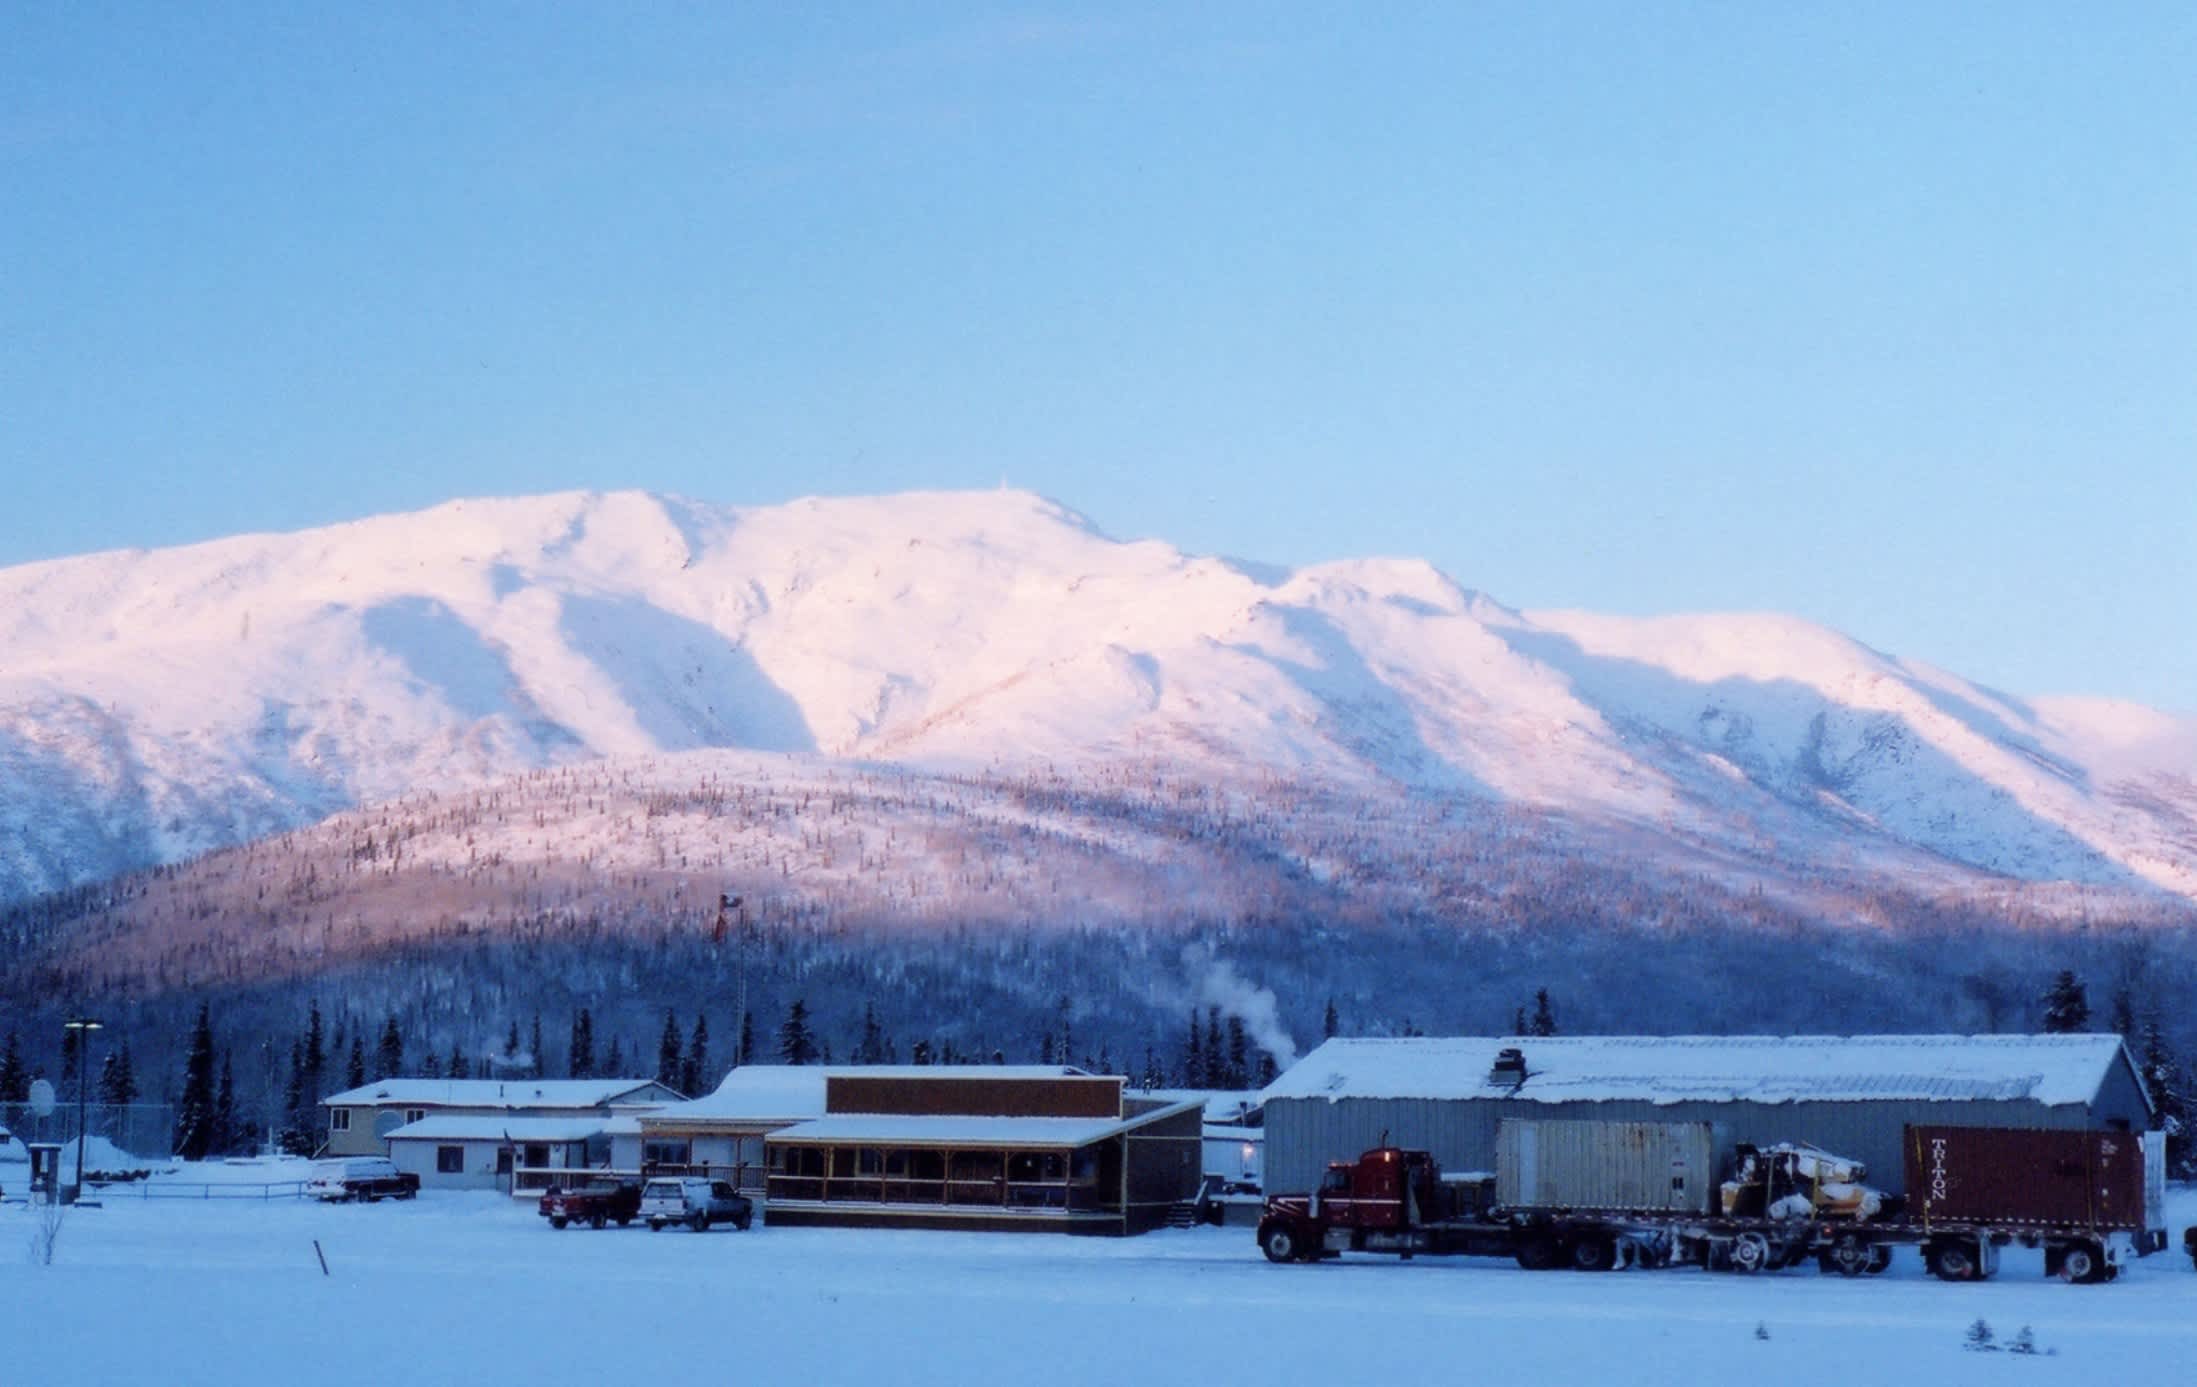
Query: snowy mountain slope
(155, 704)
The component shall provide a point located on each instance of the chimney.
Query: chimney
(1509, 1068)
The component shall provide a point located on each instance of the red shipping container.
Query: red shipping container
(2013, 1176)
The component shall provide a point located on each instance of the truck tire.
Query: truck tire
(700, 1221)
(558, 1222)
(1880, 1259)
(1952, 1259)
(1594, 1252)
(1280, 1243)
(625, 1220)
(2082, 1263)
(742, 1219)
(1750, 1253)
(1538, 1252)
(1849, 1255)
(655, 1225)
(597, 1219)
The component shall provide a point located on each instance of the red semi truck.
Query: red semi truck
(1598, 1195)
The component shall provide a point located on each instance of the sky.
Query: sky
(1881, 315)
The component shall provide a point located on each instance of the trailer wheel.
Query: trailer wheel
(1848, 1255)
(2082, 1263)
(1750, 1253)
(1952, 1260)
(1279, 1242)
(1594, 1252)
(1538, 1252)
(1880, 1259)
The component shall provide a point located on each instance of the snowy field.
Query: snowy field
(477, 1289)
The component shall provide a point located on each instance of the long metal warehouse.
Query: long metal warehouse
(1850, 1094)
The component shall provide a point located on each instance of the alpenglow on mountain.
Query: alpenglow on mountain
(154, 705)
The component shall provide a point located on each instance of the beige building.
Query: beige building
(361, 1120)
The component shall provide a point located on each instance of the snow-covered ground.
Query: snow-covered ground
(476, 1289)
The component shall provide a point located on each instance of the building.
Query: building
(1234, 1134)
(993, 1147)
(1854, 1095)
(720, 1134)
(361, 1120)
(486, 1151)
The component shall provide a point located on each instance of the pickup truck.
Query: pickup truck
(594, 1204)
(695, 1202)
(360, 1177)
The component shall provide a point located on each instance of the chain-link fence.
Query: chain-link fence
(140, 1132)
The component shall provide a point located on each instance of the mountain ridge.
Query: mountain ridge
(157, 704)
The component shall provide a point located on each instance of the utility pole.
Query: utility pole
(83, 1026)
(740, 1019)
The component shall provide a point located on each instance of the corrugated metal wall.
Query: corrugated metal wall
(1304, 1134)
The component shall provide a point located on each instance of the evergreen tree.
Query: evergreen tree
(667, 1052)
(297, 1134)
(1216, 1067)
(431, 1067)
(2123, 1022)
(354, 1069)
(316, 1058)
(796, 1043)
(1045, 1046)
(460, 1067)
(194, 1114)
(582, 1065)
(1518, 1021)
(1331, 1024)
(15, 1079)
(1239, 1055)
(118, 1077)
(511, 1047)
(614, 1063)
(694, 1075)
(392, 1048)
(537, 1061)
(920, 1052)
(1544, 1015)
(2164, 1077)
(1193, 1056)
(225, 1135)
(746, 1053)
(71, 1044)
(1153, 1076)
(1067, 1031)
(871, 1048)
(2066, 1008)
(1268, 1070)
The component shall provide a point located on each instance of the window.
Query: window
(666, 1151)
(450, 1160)
(412, 1115)
(339, 1119)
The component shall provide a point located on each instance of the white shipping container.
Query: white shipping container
(1647, 1167)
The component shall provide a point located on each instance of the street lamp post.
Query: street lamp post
(83, 1026)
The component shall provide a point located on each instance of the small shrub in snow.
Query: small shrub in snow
(1979, 1337)
(2024, 1342)
(1762, 1331)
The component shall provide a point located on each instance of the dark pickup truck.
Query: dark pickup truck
(360, 1177)
(594, 1204)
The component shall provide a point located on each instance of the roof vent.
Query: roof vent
(1509, 1067)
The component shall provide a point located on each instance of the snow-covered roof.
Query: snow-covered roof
(496, 1127)
(490, 1093)
(954, 1130)
(2053, 1070)
(1222, 1105)
(778, 1093)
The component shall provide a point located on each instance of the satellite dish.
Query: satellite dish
(41, 1097)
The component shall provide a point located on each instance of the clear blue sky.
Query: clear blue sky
(1881, 315)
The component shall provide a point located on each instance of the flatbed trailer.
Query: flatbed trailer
(1397, 1202)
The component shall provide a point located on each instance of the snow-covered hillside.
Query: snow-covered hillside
(157, 704)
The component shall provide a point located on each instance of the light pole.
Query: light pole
(739, 1022)
(83, 1026)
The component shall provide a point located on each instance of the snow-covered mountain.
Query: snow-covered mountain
(157, 704)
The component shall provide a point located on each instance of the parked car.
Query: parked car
(360, 1177)
(2189, 1243)
(594, 1203)
(695, 1202)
